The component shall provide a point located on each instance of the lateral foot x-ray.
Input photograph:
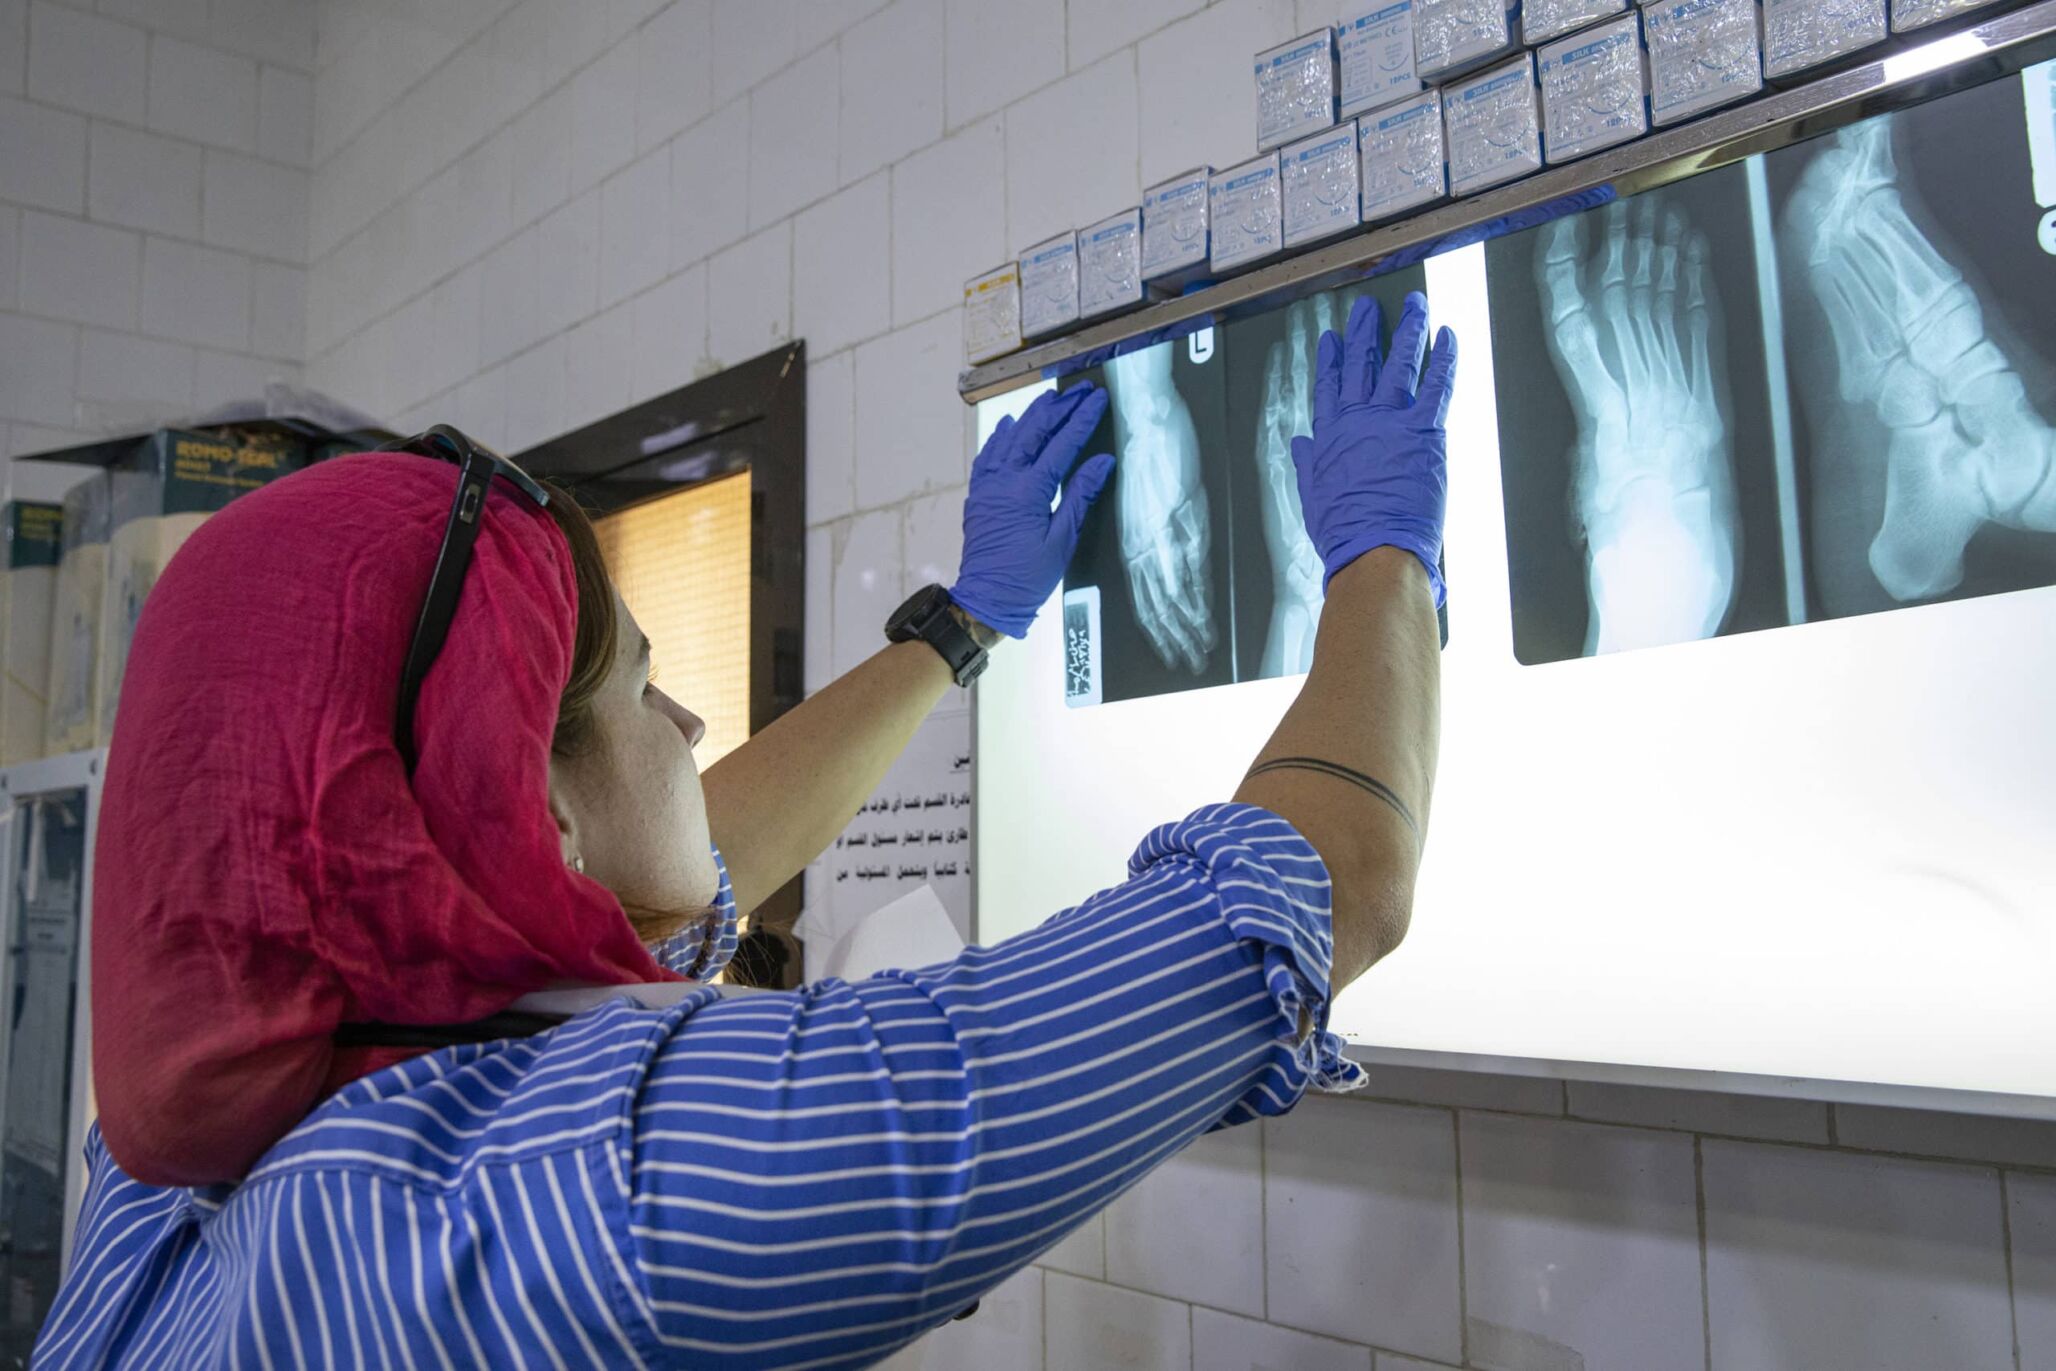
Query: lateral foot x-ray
(1963, 446)
(1630, 329)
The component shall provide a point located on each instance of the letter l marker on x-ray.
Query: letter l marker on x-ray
(2038, 87)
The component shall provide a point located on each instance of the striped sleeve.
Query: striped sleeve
(820, 1176)
(682, 952)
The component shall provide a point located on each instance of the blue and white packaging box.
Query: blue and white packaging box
(1295, 89)
(1174, 228)
(1247, 213)
(1702, 54)
(1455, 36)
(1110, 265)
(1374, 50)
(1494, 124)
(1049, 286)
(1405, 163)
(1321, 186)
(1914, 14)
(1542, 20)
(992, 313)
(1802, 34)
(1595, 89)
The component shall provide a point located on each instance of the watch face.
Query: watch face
(918, 607)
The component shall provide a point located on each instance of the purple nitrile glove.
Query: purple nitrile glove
(1375, 473)
(1015, 546)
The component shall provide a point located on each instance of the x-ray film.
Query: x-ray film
(1195, 568)
(1751, 533)
(1785, 392)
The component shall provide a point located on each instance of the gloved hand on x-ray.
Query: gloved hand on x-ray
(1375, 472)
(1015, 547)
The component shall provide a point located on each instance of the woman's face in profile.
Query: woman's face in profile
(631, 804)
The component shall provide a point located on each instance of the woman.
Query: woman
(288, 888)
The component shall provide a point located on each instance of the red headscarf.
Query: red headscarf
(265, 868)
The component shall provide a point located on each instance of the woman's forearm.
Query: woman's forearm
(777, 801)
(1371, 709)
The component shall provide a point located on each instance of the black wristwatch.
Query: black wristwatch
(926, 616)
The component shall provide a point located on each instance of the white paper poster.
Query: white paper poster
(915, 830)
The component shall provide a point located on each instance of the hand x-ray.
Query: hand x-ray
(1195, 568)
(1782, 391)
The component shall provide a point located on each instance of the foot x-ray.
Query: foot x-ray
(1921, 325)
(1195, 567)
(1640, 498)
(1782, 391)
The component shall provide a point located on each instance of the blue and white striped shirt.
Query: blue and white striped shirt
(801, 1179)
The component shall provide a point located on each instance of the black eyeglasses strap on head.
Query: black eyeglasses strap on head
(476, 468)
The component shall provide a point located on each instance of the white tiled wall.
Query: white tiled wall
(519, 214)
(154, 199)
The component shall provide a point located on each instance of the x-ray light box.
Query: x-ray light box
(1747, 736)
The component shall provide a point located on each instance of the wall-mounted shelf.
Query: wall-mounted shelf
(1905, 72)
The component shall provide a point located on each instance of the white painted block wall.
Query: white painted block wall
(523, 215)
(154, 200)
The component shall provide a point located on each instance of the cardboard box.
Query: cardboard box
(1452, 37)
(1049, 286)
(73, 723)
(1175, 237)
(1295, 89)
(1320, 186)
(174, 481)
(1595, 89)
(28, 586)
(1110, 265)
(1799, 35)
(1247, 211)
(1908, 15)
(1702, 54)
(1494, 122)
(1405, 162)
(1374, 50)
(1544, 20)
(992, 313)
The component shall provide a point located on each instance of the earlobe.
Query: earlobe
(567, 822)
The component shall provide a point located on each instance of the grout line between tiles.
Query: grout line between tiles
(1699, 1204)
(1463, 1294)
(2006, 1248)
